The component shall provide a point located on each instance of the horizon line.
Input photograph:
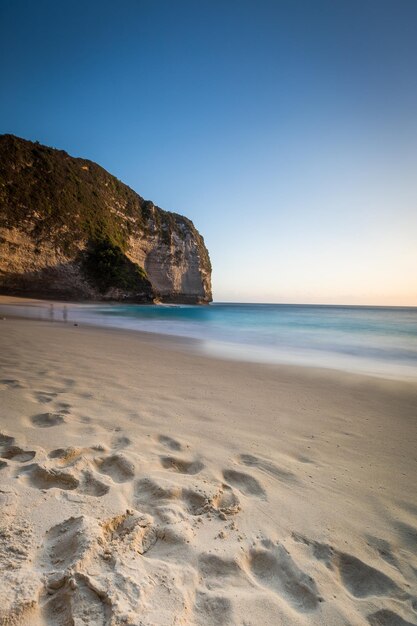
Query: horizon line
(317, 304)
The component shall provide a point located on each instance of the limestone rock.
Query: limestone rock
(69, 229)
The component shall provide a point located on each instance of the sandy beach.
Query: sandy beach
(144, 484)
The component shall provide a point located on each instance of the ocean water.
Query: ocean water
(373, 340)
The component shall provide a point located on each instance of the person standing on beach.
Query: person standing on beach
(51, 312)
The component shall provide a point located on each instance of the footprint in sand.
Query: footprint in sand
(66, 456)
(181, 465)
(119, 442)
(17, 454)
(5, 440)
(170, 443)
(385, 617)
(64, 408)
(44, 397)
(134, 530)
(273, 567)
(263, 464)
(384, 550)
(304, 459)
(321, 551)
(11, 383)
(155, 495)
(195, 502)
(46, 420)
(88, 483)
(407, 533)
(225, 502)
(91, 486)
(117, 467)
(244, 482)
(44, 478)
(218, 571)
(362, 580)
(69, 456)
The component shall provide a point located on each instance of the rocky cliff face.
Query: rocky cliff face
(69, 229)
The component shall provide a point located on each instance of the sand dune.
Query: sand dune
(142, 484)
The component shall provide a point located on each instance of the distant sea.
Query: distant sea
(374, 340)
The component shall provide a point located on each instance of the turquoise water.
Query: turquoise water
(375, 340)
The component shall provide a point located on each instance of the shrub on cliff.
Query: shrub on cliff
(108, 267)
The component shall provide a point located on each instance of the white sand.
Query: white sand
(142, 484)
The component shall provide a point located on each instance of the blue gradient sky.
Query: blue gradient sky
(286, 130)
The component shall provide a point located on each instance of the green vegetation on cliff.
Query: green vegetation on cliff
(108, 267)
(63, 190)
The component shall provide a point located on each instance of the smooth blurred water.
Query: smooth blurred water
(374, 340)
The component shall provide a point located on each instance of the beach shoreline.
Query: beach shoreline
(205, 491)
(204, 342)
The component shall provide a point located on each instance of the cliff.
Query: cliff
(69, 229)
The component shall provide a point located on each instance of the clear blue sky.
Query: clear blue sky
(287, 131)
